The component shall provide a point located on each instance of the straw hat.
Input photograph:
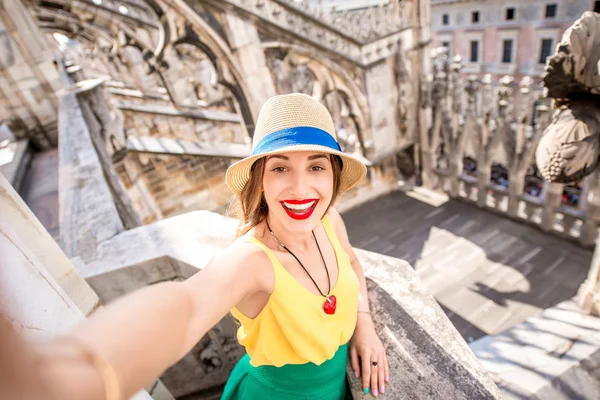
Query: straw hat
(290, 123)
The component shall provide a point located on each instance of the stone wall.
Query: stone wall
(172, 185)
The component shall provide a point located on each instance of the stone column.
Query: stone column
(552, 199)
(246, 47)
(456, 167)
(515, 191)
(483, 180)
(428, 175)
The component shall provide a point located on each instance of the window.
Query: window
(550, 10)
(475, 17)
(545, 50)
(474, 51)
(507, 45)
(510, 14)
(597, 6)
(445, 19)
(446, 45)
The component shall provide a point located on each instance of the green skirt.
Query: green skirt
(290, 382)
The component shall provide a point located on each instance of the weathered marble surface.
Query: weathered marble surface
(428, 357)
(88, 214)
(42, 252)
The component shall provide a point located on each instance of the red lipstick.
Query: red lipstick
(299, 214)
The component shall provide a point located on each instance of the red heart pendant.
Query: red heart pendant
(329, 305)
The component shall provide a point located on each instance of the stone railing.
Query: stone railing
(481, 148)
(363, 36)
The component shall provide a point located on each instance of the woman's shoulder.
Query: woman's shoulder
(244, 252)
(335, 218)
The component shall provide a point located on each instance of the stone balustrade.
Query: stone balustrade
(479, 126)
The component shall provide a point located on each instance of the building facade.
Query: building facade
(504, 37)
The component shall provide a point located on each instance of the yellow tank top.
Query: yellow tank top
(292, 328)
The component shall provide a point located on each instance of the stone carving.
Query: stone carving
(405, 94)
(503, 141)
(343, 32)
(439, 93)
(345, 123)
(303, 80)
(380, 20)
(569, 149)
(288, 76)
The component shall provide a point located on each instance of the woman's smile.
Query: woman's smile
(299, 209)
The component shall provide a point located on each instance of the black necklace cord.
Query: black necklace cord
(302, 265)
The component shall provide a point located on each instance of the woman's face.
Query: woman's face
(298, 188)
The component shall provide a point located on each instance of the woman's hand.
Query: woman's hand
(368, 356)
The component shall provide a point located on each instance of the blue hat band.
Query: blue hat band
(300, 135)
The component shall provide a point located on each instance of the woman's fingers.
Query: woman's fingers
(365, 357)
(375, 366)
(381, 372)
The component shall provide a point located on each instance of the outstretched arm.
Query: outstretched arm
(143, 333)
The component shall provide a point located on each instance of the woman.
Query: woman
(291, 279)
(306, 295)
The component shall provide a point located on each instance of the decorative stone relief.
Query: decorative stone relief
(405, 94)
(303, 80)
(336, 30)
(345, 123)
(569, 149)
(290, 77)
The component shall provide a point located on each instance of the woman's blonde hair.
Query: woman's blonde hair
(251, 207)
